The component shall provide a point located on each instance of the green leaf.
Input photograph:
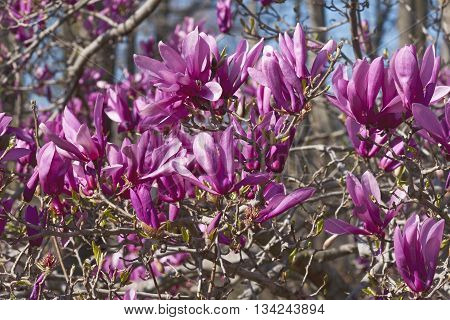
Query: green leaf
(98, 255)
(124, 277)
(445, 243)
(185, 234)
(292, 256)
(23, 283)
(369, 291)
(319, 226)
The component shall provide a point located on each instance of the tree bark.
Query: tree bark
(446, 31)
(317, 16)
(405, 22)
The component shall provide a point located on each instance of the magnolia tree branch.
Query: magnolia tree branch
(76, 69)
(353, 17)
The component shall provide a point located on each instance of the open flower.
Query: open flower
(416, 82)
(185, 75)
(357, 96)
(416, 251)
(278, 201)
(78, 143)
(366, 197)
(285, 73)
(366, 141)
(233, 72)
(216, 159)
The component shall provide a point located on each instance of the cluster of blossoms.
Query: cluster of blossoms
(377, 100)
(189, 144)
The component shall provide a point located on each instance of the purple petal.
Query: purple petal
(172, 58)
(375, 80)
(63, 144)
(258, 76)
(337, 226)
(291, 200)
(440, 92)
(84, 139)
(32, 217)
(427, 120)
(214, 224)
(370, 184)
(355, 189)
(211, 91)
(16, 154)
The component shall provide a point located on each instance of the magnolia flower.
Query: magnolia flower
(186, 74)
(151, 158)
(233, 72)
(38, 287)
(266, 2)
(78, 143)
(434, 130)
(416, 82)
(285, 72)
(224, 16)
(159, 111)
(388, 162)
(416, 251)
(216, 158)
(214, 224)
(116, 167)
(49, 172)
(52, 168)
(367, 142)
(117, 108)
(276, 150)
(249, 155)
(357, 96)
(182, 30)
(5, 120)
(366, 197)
(278, 202)
(286, 89)
(142, 202)
(171, 188)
